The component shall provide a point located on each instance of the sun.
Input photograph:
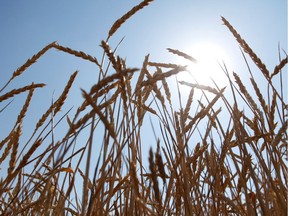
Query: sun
(210, 58)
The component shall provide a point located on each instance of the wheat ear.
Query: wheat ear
(278, 67)
(247, 49)
(20, 90)
(79, 54)
(182, 54)
(126, 16)
(28, 63)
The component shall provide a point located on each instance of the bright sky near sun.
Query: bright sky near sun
(191, 26)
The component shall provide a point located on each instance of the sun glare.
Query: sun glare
(209, 57)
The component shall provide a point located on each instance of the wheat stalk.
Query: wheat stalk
(14, 92)
(278, 67)
(55, 107)
(126, 16)
(182, 54)
(247, 49)
(15, 142)
(25, 107)
(28, 63)
(198, 86)
(79, 54)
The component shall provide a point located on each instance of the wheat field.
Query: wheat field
(232, 167)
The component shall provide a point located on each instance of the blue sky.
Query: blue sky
(27, 26)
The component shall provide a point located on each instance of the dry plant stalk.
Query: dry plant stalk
(79, 54)
(14, 92)
(55, 107)
(247, 49)
(126, 16)
(206, 166)
(182, 54)
(29, 62)
(278, 67)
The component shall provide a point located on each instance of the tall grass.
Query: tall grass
(237, 166)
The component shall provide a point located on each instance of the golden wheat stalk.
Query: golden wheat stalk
(55, 107)
(160, 164)
(142, 74)
(182, 54)
(28, 63)
(8, 148)
(271, 112)
(98, 94)
(152, 167)
(164, 65)
(22, 163)
(278, 67)
(160, 76)
(248, 97)
(247, 49)
(126, 16)
(96, 109)
(5, 140)
(79, 54)
(111, 57)
(14, 92)
(104, 82)
(198, 86)
(204, 111)
(166, 87)
(259, 95)
(59, 103)
(188, 105)
(15, 142)
(25, 107)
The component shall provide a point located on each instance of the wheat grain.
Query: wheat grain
(259, 95)
(135, 181)
(282, 132)
(6, 139)
(159, 163)
(99, 113)
(14, 92)
(25, 107)
(17, 188)
(104, 82)
(203, 87)
(110, 54)
(167, 91)
(79, 54)
(15, 143)
(59, 103)
(98, 94)
(147, 108)
(188, 105)
(154, 176)
(164, 65)
(279, 67)
(22, 163)
(182, 54)
(55, 107)
(163, 75)
(246, 94)
(142, 74)
(126, 16)
(28, 63)
(204, 111)
(247, 49)
(8, 148)
(271, 112)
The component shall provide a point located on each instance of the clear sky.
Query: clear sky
(28, 26)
